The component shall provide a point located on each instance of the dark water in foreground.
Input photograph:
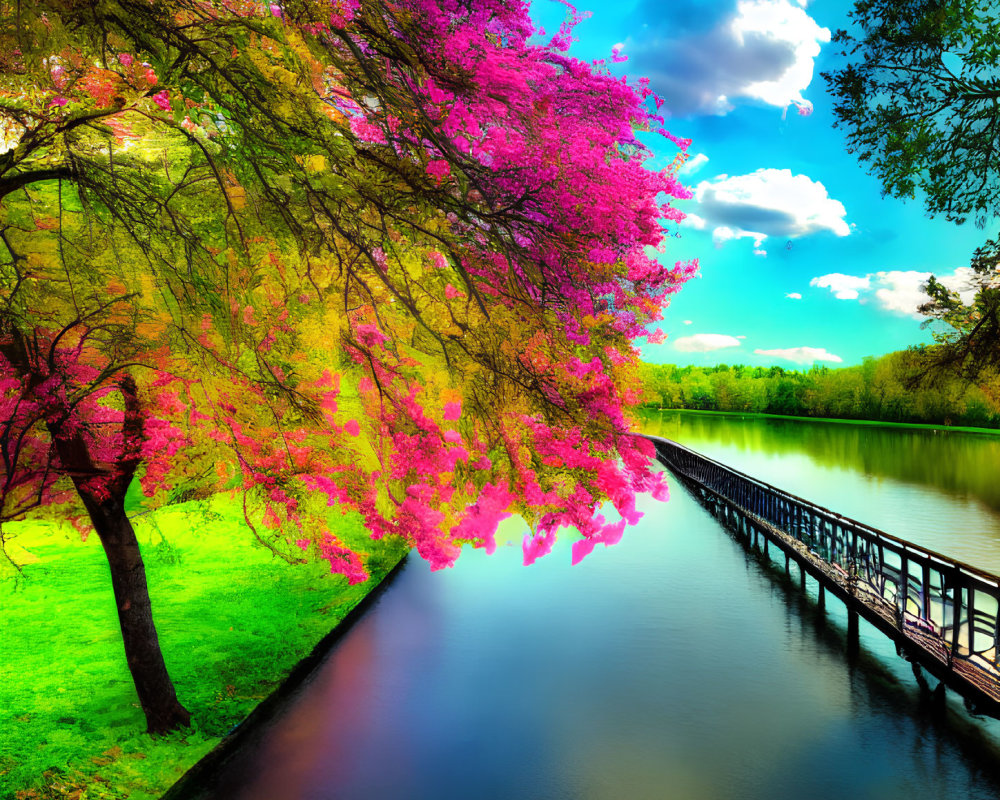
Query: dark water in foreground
(668, 666)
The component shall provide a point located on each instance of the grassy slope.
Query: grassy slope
(232, 621)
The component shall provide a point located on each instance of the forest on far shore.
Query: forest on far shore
(887, 388)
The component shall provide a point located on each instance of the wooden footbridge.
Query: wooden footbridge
(940, 613)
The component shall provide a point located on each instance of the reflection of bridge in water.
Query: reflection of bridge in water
(941, 614)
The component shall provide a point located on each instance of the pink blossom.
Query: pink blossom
(366, 131)
(439, 169)
(581, 549)
(369, 335)
(327, 379)
(58, 73)
(534, 547)
(535, 131)
(162, 99)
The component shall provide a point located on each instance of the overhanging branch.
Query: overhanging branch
(19, 181)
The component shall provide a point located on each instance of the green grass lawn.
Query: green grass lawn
(232, 621)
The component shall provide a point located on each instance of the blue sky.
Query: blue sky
(802, 260)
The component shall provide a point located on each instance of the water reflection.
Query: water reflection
(939, 488)
(668, 666)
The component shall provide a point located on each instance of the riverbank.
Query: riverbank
(233, 620)
(840, 420)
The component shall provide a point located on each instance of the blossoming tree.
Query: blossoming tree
(385, 256)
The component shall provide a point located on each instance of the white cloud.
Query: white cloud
(760, 252)
(844, 287)
(763, 52)
(802, 355)
(689, 322)
(768, 202)
(898, 291)
(782, 22)
(793, 296)
(724, 233)
(694, 164)
(694, 221)
(705, 342)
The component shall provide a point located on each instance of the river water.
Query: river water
(668, 666)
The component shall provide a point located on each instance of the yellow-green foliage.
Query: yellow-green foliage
(883, 389)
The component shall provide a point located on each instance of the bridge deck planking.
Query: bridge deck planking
(942, 616)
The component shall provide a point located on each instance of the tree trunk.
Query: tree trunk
(142, 647)
(102, 489)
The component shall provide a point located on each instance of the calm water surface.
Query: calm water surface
(936, 487)
(668, 666)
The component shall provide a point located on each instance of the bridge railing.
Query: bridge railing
(946, 600)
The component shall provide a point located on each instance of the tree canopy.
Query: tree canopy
(919, 99)
(885, 388)
(389, 257)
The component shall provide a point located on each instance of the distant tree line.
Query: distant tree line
(884, 389)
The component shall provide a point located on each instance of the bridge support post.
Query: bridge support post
(938, 697)
(948, 594)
